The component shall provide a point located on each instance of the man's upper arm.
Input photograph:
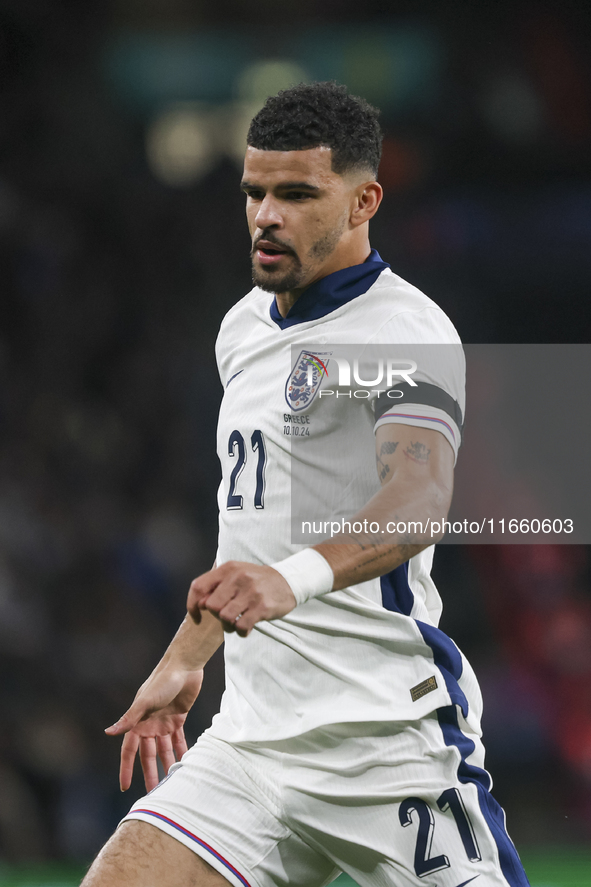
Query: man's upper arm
(414, 456)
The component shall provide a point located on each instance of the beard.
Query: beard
(274, 281)
(300, 274)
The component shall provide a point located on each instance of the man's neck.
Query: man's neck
(286, 301)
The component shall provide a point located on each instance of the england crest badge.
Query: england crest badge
(304, 380)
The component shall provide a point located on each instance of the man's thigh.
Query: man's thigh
(226, 806)
(140, 855)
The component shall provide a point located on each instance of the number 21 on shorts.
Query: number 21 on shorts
(451, 800)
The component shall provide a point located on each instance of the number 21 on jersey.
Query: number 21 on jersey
(237, 450)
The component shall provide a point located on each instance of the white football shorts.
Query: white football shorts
(392, 805)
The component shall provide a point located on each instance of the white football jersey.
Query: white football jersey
(371, 652)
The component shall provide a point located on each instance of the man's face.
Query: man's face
(298, 213)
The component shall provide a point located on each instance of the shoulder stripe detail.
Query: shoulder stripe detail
(423, 418)
(423, 394)
(202, 843)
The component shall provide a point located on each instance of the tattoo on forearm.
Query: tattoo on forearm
(389, 446)
(379, 552)
(367, 542)
(418, 452)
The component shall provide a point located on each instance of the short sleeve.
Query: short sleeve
(429, 389)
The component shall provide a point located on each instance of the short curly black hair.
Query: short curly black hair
(314, 114)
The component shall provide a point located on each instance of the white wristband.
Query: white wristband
(307, 573)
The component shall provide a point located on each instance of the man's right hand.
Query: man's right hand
(155, 723)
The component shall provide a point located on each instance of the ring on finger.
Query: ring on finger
(239, 616)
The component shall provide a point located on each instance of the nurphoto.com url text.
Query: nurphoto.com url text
(438, 528)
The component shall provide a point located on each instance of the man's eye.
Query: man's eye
(255, 195)
(297, 195)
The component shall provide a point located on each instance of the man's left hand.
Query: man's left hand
(240, 595)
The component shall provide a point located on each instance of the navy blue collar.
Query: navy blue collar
(329, 293)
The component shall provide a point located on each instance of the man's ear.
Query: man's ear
(368, 197)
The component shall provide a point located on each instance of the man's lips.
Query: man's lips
(269, 253)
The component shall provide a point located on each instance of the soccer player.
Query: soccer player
(349, 732)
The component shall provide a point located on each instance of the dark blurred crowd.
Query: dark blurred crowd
(112, 289)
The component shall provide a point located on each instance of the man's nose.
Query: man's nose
(268, 215)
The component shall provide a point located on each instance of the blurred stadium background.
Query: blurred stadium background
(122, 244)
